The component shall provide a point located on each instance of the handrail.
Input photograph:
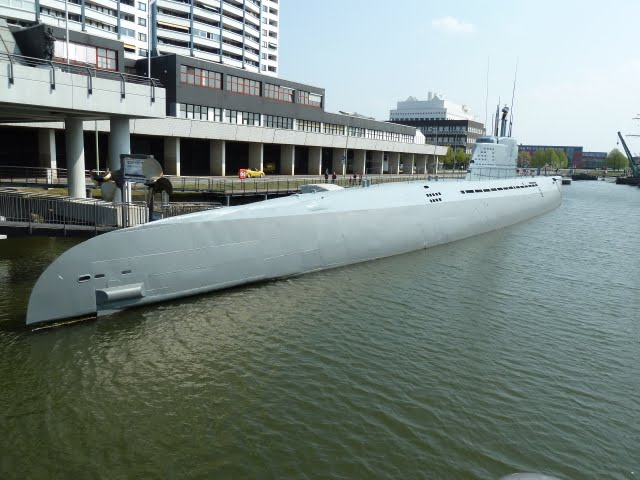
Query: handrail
(53, 76)
(10, 70)
(90, 88)
(78, 69)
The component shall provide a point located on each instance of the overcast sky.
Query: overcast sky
(578, 74)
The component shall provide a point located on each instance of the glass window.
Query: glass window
(142, 21)
(308, 98)
(142, 6)
(106, 59)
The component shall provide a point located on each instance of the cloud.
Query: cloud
(452, 25)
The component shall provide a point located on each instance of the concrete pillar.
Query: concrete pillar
(393, 160)
(315, 161)
(172, 155)
(256, 152)
(47, 152)
(408, 162)
(217, 162)
(359, 161)
(377, 161)
(47, 147)
(336, 161)
(287, 159)
(75, 157)
(119, 141)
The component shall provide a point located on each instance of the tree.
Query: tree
(448, 158)
(617, 160)
(551, 158)
(524, 158)
(563, 161)
(538, 159)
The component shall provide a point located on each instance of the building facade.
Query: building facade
(218, 119)
(238, 33)
(574, 154)
(441, 121)
(593, 159)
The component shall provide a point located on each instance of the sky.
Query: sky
(578, 75)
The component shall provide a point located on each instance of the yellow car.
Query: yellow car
(253, 173)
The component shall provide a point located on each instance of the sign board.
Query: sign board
(139, 168)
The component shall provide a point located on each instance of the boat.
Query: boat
(306, 232)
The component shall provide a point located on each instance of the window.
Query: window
(142, 6)
(308, 126)
(308, 98)
(143, 52)
(200, 77)
(243, 85)
(231, 116)
(274, 121)
(277, 92)
(142, 37)
(333, 129)
(251, 119)
(127, 32)
(107, 59)
(198, 112)
(142, 21)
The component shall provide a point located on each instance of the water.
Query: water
(517, 350)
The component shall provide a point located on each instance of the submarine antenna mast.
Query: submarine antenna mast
(513, 96)
(497, 119)
(486, 99)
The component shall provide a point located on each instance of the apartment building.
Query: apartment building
(238, 33)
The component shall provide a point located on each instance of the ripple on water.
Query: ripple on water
(512, 351)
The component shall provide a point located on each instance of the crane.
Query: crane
(635, 167)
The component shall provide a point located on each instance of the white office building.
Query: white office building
(239, 33)
(436, 107)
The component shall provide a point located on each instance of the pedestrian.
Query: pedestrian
(326, 176)
(355, 178)
(333, 177)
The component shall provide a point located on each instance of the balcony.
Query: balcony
(232, 23)
(231, 62)
(100, 17)
(208, 14)
(173, 35)
(174, 49)
(232, 36)
(231, 49)
(177, 6)
(171, 20)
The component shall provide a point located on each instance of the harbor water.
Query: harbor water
(513, 351)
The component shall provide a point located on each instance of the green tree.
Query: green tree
(524, 158)
(448, 158)
(617, 160)
(538, 159)
(551, 158)
(563, 161)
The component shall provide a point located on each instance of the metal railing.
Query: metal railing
(176, 209)
(89, 71)
(35, 209)
(34, 175)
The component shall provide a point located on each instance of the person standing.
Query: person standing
(326, 176)
(333, 177)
